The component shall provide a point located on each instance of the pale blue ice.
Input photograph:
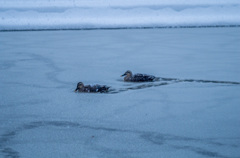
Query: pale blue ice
(41, 116)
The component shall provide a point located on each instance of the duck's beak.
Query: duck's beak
(123, 75)
(76, 90)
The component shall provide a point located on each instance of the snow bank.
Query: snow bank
(71, 14)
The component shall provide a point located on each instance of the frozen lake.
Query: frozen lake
(41, 116)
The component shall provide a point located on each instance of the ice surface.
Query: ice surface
(41, 116)
(71, 14)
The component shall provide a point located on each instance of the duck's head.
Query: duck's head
(80, 86)
(127, 73)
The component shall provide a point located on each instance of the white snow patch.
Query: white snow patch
(71, 14)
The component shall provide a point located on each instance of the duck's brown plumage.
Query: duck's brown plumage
(91, 89)
(129, 77)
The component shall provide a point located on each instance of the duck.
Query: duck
(91, 89)
(129, 77)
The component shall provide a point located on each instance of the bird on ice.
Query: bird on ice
(91, 89)
(129, 77)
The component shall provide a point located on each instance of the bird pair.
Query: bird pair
(129, 77)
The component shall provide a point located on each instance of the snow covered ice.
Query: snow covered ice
(71, 14)
(193, 114)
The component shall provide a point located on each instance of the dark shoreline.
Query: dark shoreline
(120, 28)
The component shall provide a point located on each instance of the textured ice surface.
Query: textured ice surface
(77, 14)
(41, 116)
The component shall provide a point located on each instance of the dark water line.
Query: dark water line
(117, 28)
(149, 85)
(199, 81)
(167, 82)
